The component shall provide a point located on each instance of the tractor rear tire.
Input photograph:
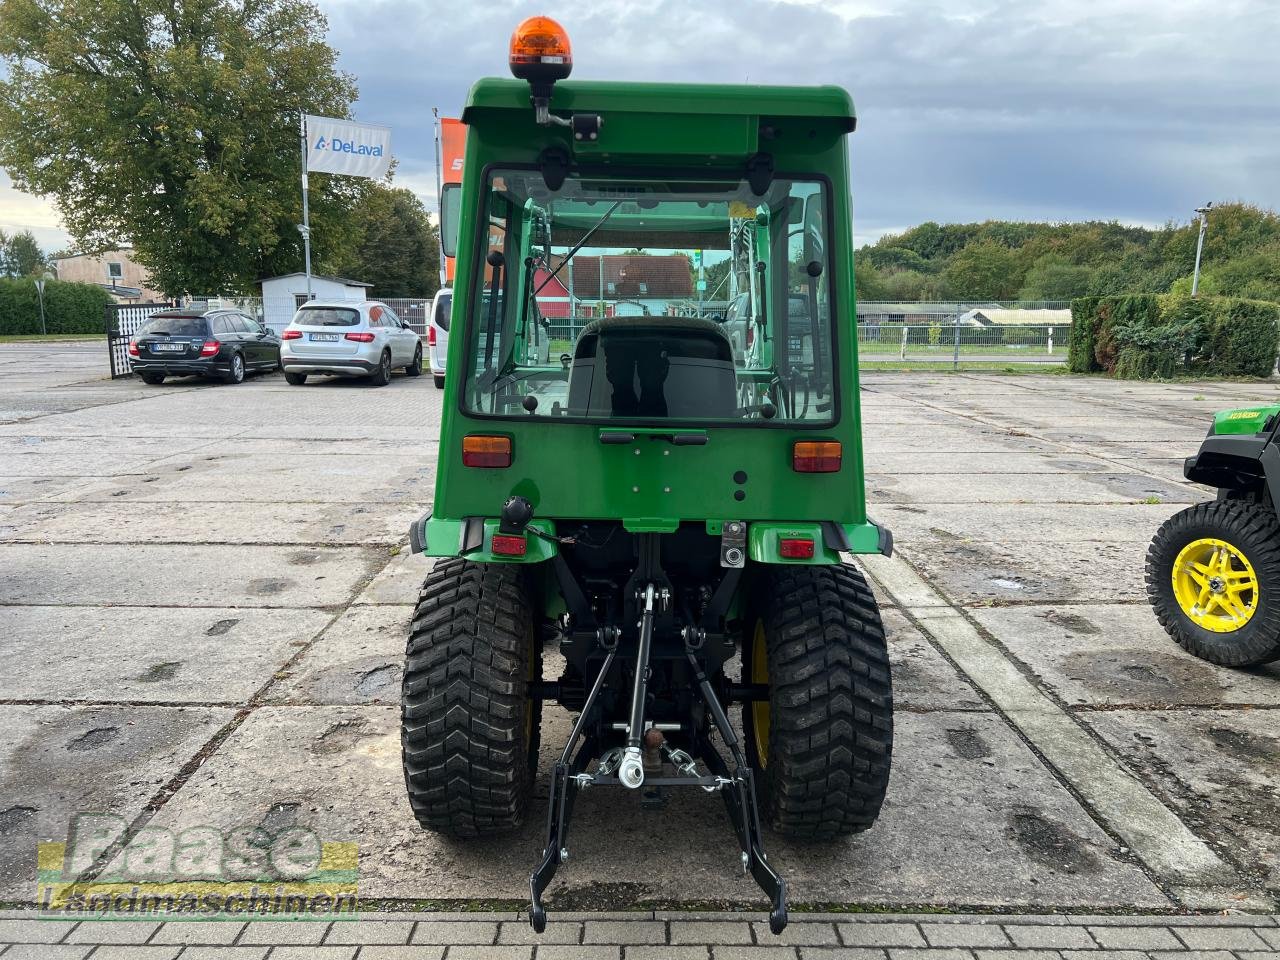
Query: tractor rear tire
(469, 727)
(1249, 529)
(823, 745)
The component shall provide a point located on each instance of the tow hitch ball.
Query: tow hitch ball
(734, 784)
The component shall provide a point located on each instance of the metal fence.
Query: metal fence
(122, 322)
(958, 345)
(276, 312)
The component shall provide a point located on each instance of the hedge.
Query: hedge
(1146, 336)
(68, 307)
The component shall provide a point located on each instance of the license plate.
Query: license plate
(169, 347)
(325, 337)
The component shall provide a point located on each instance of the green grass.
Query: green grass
(48, 337)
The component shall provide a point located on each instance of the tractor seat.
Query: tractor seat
(653, 367)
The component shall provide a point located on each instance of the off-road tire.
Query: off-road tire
(439, 381)
(381, 375)
(469, 729)
(830, 740)
(236, 371)
(1250, 527)
(153, 378)
(415, 369)
(295, 379)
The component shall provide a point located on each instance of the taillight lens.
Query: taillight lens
(485, 451)
(795, 548)
(359, 337)
(133, 348)
(209, 348)
(291, 335)
(816, 456)
(508, 546)
(431, 336)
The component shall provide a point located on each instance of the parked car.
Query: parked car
(438, 333)
(214, 342)
(344, 339)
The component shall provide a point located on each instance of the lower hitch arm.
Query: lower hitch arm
(564, 790)
(740, 802)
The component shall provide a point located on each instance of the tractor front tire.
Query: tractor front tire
(823, 743)
(1228, 549)
(469, 728)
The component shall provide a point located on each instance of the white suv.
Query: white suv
(346, 339)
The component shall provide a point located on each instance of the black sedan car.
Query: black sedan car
(209, 343)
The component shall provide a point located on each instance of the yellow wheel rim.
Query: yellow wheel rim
(1215, 585)
(760, 708)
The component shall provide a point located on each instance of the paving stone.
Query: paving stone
(450, 932)
(943, 953)
(880, 935)
(561, 933)
(964, 935)
(799, 934)
(1017, 954)
(710, 932)
(476, 952)
(34, 930)
(113, 931)
(1220, 938)
(1192, 955)
(399, 953)
(225, 953)
(841, 953)
(1271, 936)
(1135, 938)
(625, 932)
(758, 952)
(46, 951)
(1103, 955)
(135, 952)
(668, 953)
(1049, 937)
(561, 951)
(370, 931)
(204, 932)
(285, 932)
(313, 953)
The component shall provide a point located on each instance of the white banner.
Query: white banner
(341, 146)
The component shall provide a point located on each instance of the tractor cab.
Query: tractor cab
(651, 456)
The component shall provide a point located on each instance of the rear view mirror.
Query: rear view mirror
(813, 233)
(450, 212)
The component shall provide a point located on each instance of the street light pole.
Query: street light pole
(1204, 225)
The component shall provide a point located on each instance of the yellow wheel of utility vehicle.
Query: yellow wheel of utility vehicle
(1213, 578)
(1215, 585)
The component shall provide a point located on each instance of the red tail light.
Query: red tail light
(291, 335)
(821, 456)
(133, 348)
(431, 336)
(795, 549)
(483, 451)
(209, 348)
(508, 546)
(359, 337)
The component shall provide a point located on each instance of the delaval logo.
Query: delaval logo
(337, 145)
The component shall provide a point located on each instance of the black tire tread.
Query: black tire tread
(831, 703)
(466, 765)
(1253, 527)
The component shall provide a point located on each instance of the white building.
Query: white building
(281, 296)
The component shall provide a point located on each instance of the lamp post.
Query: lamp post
(1204, 225)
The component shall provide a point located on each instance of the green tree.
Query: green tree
(173, 127)
(23, 256)
(398, 249)
(984, 270)
(1052, 278)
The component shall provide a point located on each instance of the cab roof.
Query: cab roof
(719, 99)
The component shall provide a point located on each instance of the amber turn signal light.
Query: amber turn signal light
(482, 451)
(816, 456)
(540, 51)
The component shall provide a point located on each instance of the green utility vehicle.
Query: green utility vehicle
(1213, 570)
(614, 480)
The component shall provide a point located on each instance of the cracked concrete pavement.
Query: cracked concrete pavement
(204, 592)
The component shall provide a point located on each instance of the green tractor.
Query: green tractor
(1213, 570)
(615, 479)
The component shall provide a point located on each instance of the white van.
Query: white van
(438, 333)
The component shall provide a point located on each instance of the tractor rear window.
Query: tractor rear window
(644, 299)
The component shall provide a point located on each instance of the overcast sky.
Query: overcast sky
(1133, 110)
